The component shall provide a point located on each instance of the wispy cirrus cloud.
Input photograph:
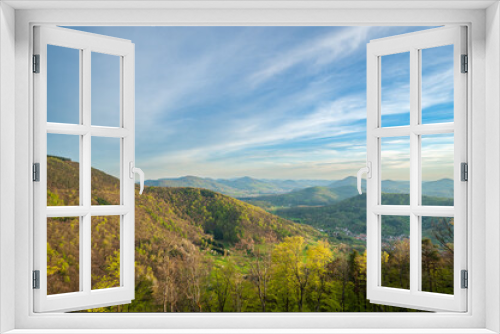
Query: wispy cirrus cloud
(315, 53)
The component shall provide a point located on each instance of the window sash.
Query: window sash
(413, 43)
(87, 43)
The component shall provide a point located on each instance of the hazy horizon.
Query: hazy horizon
(277, 179)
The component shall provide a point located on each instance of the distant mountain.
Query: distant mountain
(388, 186)
(312, 196)
(253, 186)
(439, 188)
(344, 192)
(395, 187)
(289, 193)
(346, 188)
(350, 181)
(194, 182)
(299, 184)
(239, 187)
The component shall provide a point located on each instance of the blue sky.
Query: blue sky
(266, 102)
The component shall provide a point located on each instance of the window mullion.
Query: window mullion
(86, 178)
(414, 170)
(82, 224)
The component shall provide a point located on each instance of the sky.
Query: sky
(265, 102)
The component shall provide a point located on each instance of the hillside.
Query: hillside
(187, 221)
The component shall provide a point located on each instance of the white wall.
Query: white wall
(7, 160)
(492, 165)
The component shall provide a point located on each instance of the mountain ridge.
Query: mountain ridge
(238, 187)
(257, 190)
(343, 189)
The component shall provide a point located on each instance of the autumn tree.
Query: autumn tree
(339, 271)
(221, 282)
(289, 257)
(197, 267)
(318, 256)
(261, 273)
(430, 259)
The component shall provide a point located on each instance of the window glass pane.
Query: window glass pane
(105, 252)
(437, 254)
(437, 84)
(63, 85)
(396, 252)
(63, 170)
(105, 171)
(395, 170)
(105, 90)
(63, 255)
(437, 169)
(395, 94)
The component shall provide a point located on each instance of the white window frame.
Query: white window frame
(482, 315)
(413, 43)
(86, 44)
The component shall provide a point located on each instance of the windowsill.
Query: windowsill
(253, 331)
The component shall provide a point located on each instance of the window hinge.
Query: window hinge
(465, 279)
(36, 172)
(36, 63)
(465, 64)
(464, 171)
(36, 279)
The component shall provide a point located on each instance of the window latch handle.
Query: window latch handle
(368, 171)
(134, 170)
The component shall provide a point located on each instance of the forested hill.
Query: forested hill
(191, 212)
(187, 222)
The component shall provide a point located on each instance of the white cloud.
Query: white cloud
(437, 87)
(319, 52)
(332, 119)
